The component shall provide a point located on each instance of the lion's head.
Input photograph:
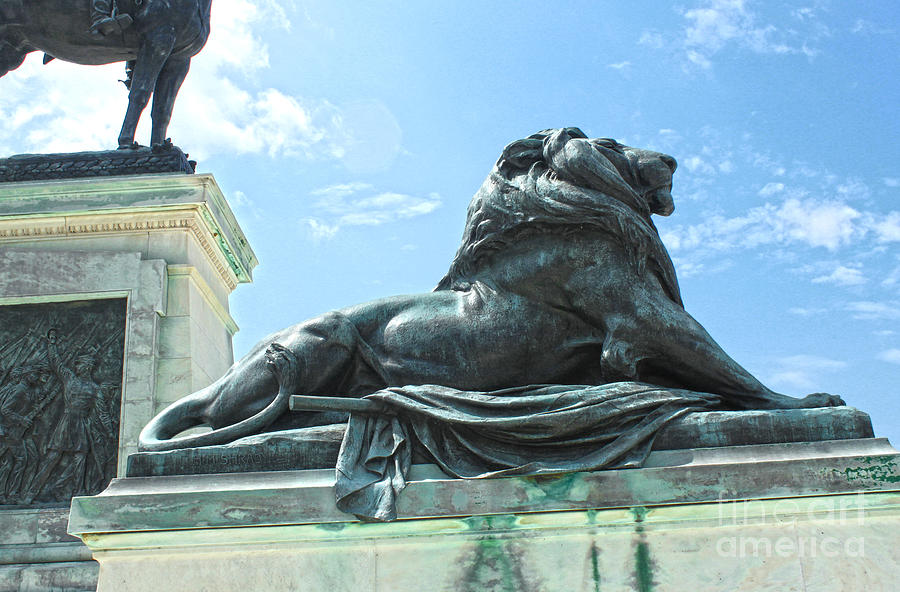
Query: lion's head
(560, 178)
(639, 178)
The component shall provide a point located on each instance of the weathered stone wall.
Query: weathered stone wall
(165, 252)
(821, 516)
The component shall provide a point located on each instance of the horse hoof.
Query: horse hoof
(158, 147)
(130, 146)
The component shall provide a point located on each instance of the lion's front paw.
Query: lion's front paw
(822, 400)
(284, 364)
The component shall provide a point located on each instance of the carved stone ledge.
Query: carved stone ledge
(88, 208)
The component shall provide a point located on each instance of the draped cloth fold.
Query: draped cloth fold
(529, 430)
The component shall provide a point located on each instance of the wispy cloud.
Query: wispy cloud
(888, 228)
(361, 204)
(803, 371)
(620, 65)
(891, 355)
(652, 39)
(842, 276)
(771, 189)
(866, 27)
(807, 311)
(714, 25)
(868, 310)
(816, 223)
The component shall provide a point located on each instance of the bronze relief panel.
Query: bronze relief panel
(60, 398)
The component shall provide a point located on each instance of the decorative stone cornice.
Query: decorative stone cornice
(189, 219)
(47, 210)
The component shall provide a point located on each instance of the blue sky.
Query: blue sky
(350, 136)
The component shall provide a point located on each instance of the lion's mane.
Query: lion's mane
(526, 193)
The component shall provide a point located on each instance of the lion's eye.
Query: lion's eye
(655, 173)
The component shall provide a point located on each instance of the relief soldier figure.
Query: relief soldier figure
(72, 435)
(20, 403)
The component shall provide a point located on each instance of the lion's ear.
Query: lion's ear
(520, 154)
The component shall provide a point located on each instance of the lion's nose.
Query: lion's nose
(670, 162)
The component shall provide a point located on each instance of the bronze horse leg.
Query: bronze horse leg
(169, 82)
(11, 56)
(156, 47)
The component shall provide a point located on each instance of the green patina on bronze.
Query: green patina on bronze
(880, 471)
(554, 486)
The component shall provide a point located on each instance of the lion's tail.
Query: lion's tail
(158, 435)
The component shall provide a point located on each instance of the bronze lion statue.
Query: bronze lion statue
(561, 279)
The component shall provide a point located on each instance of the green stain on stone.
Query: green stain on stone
(491, 522)
(236, 267)
(882, 472)
(642, 568)
(595, 567)
(495, 564)
(493, 568)
(639, 513)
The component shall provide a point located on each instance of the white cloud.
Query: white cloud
(771, 189)
(891, 355)
(888, 229)
(874, 311)
(360, 204)
(852, 188)
(716, 24)
(842, 276)
(804, 371)
(652, 39)
(620, 65)
(319, 230)
(807, 311)
(892, 277)
(340, 191)
(696, 164)
(802, 13)
(866, 27)
(816, 223)
(891, 181)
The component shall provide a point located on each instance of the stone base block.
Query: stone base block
(318, 447)
(36, 553)
(798, 517)
(75, 576)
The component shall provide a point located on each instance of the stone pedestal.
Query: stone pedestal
(821, 516)
(165, 251)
